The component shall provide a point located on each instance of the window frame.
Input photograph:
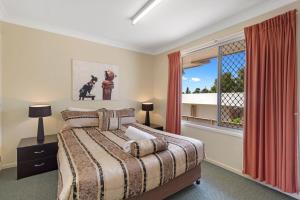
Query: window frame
(218, 44)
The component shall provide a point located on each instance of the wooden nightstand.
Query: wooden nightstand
(157, 127)
(35, 158)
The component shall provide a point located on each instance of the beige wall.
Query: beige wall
(37, 68)
(298, 62)
(0, 96)
(222, 149)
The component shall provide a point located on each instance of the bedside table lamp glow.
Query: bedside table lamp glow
(147, 107)
(40, 111)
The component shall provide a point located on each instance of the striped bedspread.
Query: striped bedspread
(93, 165)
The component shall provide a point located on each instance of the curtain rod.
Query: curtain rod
(220, 41)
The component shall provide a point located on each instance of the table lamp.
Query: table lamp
(147, 107)
(40, 111)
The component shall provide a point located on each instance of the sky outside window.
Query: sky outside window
(200, 77)
(205, 75)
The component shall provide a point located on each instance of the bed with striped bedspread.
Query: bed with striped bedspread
(93, 165)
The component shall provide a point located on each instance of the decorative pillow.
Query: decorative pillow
(108, 120)
(102, 119)
(127, 112)
(80, 109)
(78, 119)
(140, 148)
(127, 120)
(126, 116)
(114, 123)
(113, 119)
(126, 146)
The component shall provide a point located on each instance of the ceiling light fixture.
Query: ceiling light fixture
(144, 10)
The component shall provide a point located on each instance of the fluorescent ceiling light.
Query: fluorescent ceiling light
(144, 10)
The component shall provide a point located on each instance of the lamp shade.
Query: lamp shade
(147, 106)
(39, 111)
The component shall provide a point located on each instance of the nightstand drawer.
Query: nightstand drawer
(33, 167)
(36, 152)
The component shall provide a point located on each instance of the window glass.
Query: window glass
(203, 73)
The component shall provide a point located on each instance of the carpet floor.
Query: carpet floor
(216, 184)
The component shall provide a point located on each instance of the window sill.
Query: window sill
(215, 129)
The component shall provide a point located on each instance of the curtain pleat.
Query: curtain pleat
(173, 118)
(271, 132)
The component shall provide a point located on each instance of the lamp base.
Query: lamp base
(40, 132)
(147, 119)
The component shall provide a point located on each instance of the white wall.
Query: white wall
(186, 109)
(207, 111)
(203, 111)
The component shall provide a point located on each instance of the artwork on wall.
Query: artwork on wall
(94, 81)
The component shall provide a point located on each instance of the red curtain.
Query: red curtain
(271, 132)
(173, 121)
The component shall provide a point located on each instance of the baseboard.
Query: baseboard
(9, 165)
(239, 172)
(224, 166)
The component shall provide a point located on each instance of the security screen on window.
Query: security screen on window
(213, 85)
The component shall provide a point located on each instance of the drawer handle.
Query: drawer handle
(39, 165)
(39, 152)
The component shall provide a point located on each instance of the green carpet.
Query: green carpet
(216, 184)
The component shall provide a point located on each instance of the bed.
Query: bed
(93, 165)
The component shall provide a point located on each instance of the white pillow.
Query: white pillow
(137, 134)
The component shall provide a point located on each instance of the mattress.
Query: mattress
(93, 165)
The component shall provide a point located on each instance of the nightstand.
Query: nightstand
(35, 158)
(157, 127)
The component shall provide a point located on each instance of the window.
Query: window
(213, 85)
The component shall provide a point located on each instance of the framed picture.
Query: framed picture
(94, 81)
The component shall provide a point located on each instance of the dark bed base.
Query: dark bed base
(173, 186)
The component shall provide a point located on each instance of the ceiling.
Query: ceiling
(171, 23)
